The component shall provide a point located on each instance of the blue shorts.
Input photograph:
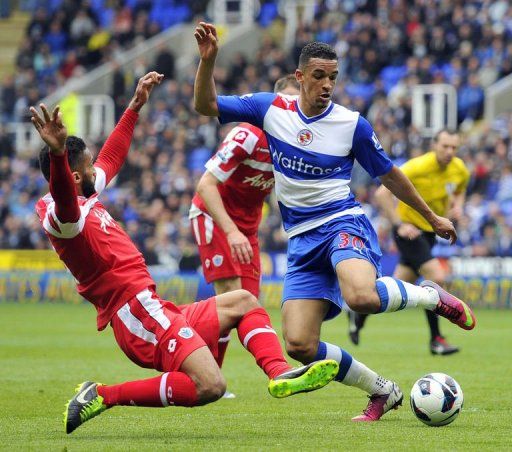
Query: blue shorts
(313, 256)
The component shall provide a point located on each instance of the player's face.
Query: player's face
(446, 147)
(317, 79)
(88, 175)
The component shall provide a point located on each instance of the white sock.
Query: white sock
(395, 295)
(366, 379)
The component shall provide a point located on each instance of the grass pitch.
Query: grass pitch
(47, 349)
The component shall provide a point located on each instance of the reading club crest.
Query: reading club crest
(305, 137)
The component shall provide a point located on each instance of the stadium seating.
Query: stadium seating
(171, 143)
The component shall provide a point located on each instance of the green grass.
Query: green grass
(46, 349)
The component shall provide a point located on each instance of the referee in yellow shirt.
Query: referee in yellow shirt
(441, 179)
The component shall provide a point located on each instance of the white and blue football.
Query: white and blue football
(436, 399)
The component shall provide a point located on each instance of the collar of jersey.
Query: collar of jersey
(309, 120)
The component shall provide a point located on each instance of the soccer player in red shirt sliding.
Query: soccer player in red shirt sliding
(180, 341)
(226, 210)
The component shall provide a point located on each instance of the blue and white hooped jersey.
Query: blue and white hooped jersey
(312, 157)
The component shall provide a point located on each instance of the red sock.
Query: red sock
(257, 335)
(171, 388)
(221, 349)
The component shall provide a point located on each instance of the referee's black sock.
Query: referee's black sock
(433, 323)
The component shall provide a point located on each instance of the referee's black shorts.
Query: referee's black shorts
(414, 253)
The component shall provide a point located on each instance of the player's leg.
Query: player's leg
(357, 320)
(240, 310)
(434, 271)
(154, 334)
(363, 294)
(218, 266)
(302, 321)
(224, 285)
(356, 260)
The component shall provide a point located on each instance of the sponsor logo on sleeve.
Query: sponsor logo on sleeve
(376, 142)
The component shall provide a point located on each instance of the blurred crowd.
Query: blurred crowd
(385, 47)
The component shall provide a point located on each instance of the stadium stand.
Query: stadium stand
(385, 48)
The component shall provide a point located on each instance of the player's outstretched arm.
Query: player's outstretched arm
(207, 189)
(205, 93)
(62, 186)
(387, 204)
(113, 153)
(398, 184)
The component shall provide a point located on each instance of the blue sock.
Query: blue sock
(330, 351)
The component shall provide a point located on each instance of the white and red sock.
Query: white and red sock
(170, 388)
(259, 338)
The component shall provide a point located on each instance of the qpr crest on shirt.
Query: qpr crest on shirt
(305, 137)
(185, 333)
(217, 260)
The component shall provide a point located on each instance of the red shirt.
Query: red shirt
(243, 166)
(108, 268)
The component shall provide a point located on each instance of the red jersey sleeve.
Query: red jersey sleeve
(114, 151)
(63, 189)
(238, 145)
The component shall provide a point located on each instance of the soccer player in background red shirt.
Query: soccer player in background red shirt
(226, 210)
(180, 341)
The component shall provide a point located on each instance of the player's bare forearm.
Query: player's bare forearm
(400, 186)
(209, 193)
(386, 203)
(205, 93)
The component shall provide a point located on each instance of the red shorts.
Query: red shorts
(157, 334)
(216, 258)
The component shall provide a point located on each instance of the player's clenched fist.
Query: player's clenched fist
(143, 90)
(207, 41)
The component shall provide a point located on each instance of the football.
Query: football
(436, 399)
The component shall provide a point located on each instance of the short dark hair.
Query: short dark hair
(447, 130)
(75, 147)
(285, 82)
(316, 50)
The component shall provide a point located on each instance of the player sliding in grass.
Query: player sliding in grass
(180, 341)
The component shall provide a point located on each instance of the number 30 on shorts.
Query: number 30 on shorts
(350, 241)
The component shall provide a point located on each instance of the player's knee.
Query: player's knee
(210, 387)
(247, 301)
(363, 301)
(303, 351)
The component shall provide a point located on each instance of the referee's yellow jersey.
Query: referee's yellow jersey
(436, 186)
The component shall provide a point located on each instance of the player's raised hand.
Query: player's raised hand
(444, 228)
(207, 41)
(50, 128)
(144, 88)
(241, 248)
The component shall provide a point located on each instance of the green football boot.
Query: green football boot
(84, 406)
(303, 379)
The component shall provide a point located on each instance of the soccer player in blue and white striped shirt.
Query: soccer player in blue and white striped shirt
(313, 143)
